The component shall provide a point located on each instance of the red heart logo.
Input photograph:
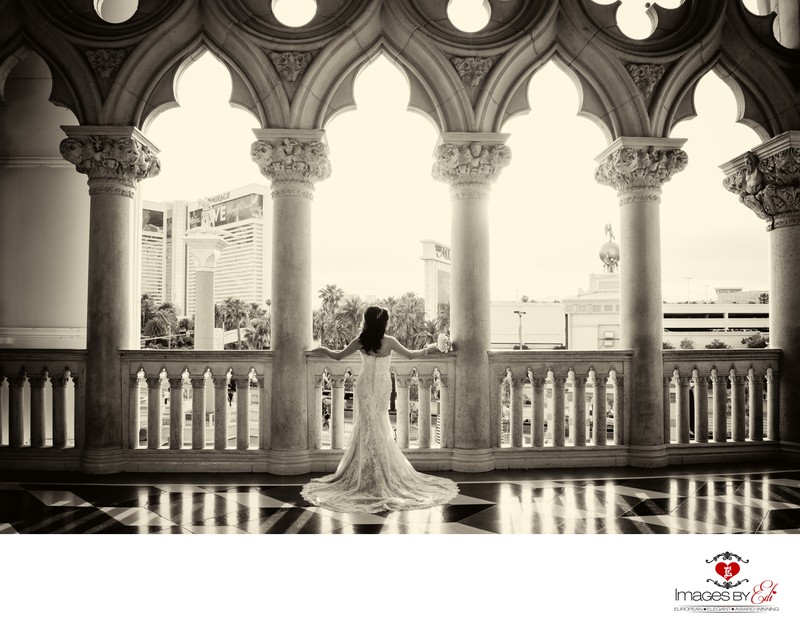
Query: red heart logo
(726, 571)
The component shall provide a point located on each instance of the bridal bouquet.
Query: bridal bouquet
(443, 343)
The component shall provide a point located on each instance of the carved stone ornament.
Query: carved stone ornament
(290, 65)
(115, 163)
(292, 161)
(629, 169)
(470, 163)
(770, 187)
(472, 70)
(645, 76)
(106, 62)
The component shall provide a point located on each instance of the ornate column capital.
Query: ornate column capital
(114, 158)
(767, 180)
(470, 162)
(637, 167)
(292, 159)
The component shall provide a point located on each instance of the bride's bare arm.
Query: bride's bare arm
(339, 355)
(393, 344)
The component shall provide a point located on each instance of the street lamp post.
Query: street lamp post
(520, 314)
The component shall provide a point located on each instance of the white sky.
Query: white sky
(547, 213)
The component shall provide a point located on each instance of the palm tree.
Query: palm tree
(331, 295)
(409, 318)
(429, 333)
(348, 317)
(259, 333)
(389, 304)
(161, 325)
(235, 313)
(148, 308)
(443, 318)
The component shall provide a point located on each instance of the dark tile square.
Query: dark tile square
(291, 520)
(56, 520)
(780, 519)
(18, 505)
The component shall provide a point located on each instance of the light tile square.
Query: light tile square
(56, 498)
(137, 517)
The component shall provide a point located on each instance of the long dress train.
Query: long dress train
(374, 474)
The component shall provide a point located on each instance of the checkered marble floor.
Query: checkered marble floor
(759, 500)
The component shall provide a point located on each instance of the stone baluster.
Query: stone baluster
(756, 396)
(176, 413)
(599, 410)
(16, 410)
(668, 381)
(737, 407)
(37, 383)
(682, 406)
(578, 415)
(637, 168)
(517, 396)
(243, 411)
(293, 160)
(701, 407)
(719, 397)
(424, 412)
(60, 412)
(767, 181)
(773, 403)
(220, 412)
(469, 163)
(154, 411)
(619, 409)
(403, 408)
(337, 412)
(316, 438)
(198, 411)
(559, 423)
(445, 417)
(537, 404)
(114, 159)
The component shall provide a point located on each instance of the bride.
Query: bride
(374, 474)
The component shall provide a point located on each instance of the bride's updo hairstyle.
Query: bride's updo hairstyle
(375, 321)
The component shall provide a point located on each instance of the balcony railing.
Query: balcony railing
(210, 410)
(183, 406)
(421, 408)
(724, 396)
(41, 408)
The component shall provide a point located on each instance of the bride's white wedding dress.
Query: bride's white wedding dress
(374, 474)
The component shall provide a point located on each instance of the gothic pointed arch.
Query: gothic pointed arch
(764, 76)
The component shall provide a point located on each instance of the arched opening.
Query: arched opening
(44, 239)
(709, 239)
(44, 225)
(372, 214)
(548, 217)
(205, 162)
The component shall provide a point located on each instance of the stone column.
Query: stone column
(767, 181)
(114, 159)
(470, 163)
(205, 245)
(294, 160)
(636, 168)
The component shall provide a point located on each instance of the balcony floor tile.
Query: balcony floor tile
(736, 499)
